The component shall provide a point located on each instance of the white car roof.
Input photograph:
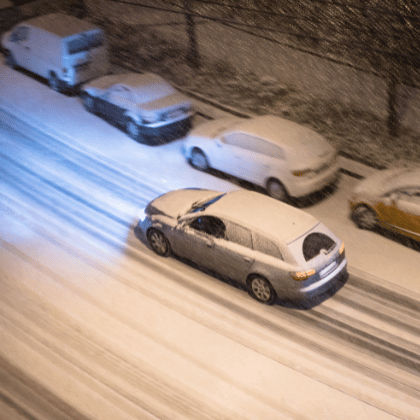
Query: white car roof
(61, 24)
(145, 86)
(278, 130)
(263, 214)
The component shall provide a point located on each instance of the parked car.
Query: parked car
(143, 104)
(63, 49)
(284, 157)
(389, 199)
(271, 247)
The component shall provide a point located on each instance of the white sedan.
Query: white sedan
(286, 158)
(145, 105)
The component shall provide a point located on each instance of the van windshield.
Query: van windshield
(85, 42)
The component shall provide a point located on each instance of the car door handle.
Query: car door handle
(209, 244)
(247, 259)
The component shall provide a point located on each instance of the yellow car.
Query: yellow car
(389, 199)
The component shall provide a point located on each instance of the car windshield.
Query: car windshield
(200, 205)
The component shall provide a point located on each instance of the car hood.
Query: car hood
(176, 203)
(381, 181)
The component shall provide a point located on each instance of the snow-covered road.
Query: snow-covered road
(103, 325)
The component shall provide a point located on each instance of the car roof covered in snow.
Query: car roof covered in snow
(278, 130)
(61, 24)
(146, 87)
(263, 214)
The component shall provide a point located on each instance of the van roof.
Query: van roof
(263, 214)
(61, 24)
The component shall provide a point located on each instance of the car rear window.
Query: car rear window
(314, 243)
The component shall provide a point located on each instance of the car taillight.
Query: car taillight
(341, 250)
(302, 275)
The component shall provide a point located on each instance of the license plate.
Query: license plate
(327, 270)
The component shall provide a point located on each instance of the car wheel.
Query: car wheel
(133, 129)
(276, 190)
(262, 290)
(88, 103)
(158, 242)
(198, 160)
(10, 60)
(53, 82)
(365, 217)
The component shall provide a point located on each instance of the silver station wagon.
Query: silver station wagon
(274, 249)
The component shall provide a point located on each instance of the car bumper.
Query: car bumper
(301, 187)
(169, 131)
(328, 285)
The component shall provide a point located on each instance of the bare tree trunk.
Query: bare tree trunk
(192, 57)
(393, 117)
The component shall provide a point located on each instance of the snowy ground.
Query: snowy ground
(108, 327)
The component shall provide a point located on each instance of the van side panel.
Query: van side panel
(46, 54)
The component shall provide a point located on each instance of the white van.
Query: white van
(63, 49)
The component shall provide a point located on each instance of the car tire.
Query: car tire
(276, 190)
(132, 129)
(53, 82)
(365, 218)
(158, 242)
(262, 290)
(199, 160)
(10, 60)
(88, 103)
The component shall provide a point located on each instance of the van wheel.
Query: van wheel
(53, 82)
(276, 190)
(10, 60)
(132, 129)
(261, 290)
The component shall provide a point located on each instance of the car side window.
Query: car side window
(238, 234)
(253, 144)
(410, 195)
(20, 34)
(266, 246)
(242, 140)
(268, 149)
(210, 225)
